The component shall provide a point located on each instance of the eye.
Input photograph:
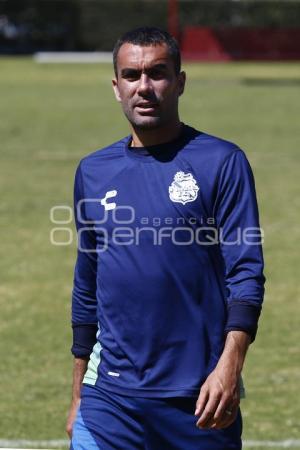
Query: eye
(131, 75)
(157, 74)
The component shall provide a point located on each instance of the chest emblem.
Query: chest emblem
(184, 188)
(109, 205)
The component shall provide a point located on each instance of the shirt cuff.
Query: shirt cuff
(84, 339)
(243, 316)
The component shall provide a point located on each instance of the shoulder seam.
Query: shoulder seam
(114, 146)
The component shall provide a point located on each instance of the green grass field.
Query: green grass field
(51, 116)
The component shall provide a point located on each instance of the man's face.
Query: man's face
(147, 85)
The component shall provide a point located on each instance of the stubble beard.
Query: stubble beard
(140, 122)
(144, 123)
(150, 123)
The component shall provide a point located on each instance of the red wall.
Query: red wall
(223, 44)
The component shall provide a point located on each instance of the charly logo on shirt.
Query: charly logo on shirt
(184, 188)
(108, 195)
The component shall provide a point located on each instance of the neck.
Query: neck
(146, 138)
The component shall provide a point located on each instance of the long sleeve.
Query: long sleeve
(84, 304)
(240, 238)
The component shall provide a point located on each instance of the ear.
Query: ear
(116, 89)
(181, 82)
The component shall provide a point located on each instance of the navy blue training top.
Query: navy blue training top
(169, 260)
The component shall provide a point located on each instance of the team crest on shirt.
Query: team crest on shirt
(184, 188)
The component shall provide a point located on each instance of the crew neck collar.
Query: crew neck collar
(159, 152)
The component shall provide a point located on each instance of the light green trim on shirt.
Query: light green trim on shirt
(91, 374)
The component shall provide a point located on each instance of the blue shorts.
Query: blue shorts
(109, 421)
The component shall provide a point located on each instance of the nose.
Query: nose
(144, 86)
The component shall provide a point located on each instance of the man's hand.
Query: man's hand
(72, 416)
(219, 397)
(79, 369)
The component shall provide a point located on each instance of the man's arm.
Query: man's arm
(79, 369)
(219, 398)
(84, 302)
(237, 219)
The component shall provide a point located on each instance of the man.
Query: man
(168, 282)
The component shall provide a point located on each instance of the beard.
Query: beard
(146, 123)
(143, 121)
(149, 121)
(164, 113)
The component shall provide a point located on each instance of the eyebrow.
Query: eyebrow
(131, 70)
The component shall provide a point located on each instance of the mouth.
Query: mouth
(146, 107)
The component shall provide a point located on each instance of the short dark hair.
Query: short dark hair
(147, 36)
